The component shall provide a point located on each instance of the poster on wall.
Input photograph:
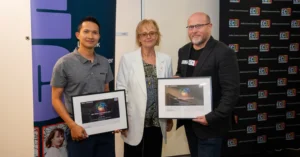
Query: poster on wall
(53, 27)
(54, 140)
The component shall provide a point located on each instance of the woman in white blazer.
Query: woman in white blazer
(138, 73)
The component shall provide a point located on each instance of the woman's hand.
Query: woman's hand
(169, 125)
(124, 132)
(117, 131)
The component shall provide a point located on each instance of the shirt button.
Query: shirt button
(92, 73)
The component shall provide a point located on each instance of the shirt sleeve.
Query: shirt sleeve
(58, 78)
(109, 76)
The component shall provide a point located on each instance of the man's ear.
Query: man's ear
(77, 35)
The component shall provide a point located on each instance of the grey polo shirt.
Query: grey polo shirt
(79, 76)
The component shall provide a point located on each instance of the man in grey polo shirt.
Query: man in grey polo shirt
(82, 72)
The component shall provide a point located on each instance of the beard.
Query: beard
(198, 40)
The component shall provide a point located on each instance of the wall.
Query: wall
(16, 114)
(171, 16)
(125, 23)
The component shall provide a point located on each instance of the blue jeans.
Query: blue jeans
(203, 147)
(101, 145)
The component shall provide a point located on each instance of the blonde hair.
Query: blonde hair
(146, 22)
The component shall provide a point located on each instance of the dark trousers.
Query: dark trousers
(150, 145)
(101, 145)
(203, 147)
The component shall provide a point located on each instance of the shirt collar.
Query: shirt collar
(84, 60)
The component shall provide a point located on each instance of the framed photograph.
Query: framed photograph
(101, 112)
(184, 98)
(54, 140)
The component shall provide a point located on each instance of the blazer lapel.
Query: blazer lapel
(185, 58)
(139, 70)
(206, 51)
(160, 66)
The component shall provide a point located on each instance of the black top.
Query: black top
(193, 60)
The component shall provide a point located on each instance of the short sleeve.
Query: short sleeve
(109, 76)
(58, 78)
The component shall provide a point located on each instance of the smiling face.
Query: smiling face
(147, 34)
(58, 139)
(88, 35)
(199, 28)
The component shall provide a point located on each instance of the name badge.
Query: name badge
(184, 62)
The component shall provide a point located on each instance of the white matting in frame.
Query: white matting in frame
(102, 112)
(184, 98)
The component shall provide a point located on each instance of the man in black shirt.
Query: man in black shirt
(205, 56)
(193, 60)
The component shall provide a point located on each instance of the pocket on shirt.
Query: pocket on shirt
(101, 77)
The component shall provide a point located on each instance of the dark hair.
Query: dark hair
(51, 136)
(88, 19)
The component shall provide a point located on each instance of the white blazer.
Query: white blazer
(131, 77)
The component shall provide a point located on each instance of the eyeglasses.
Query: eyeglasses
(197, 26)
(145, 35)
